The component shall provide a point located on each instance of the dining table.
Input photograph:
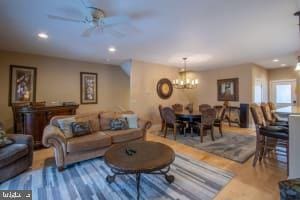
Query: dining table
(189, 117)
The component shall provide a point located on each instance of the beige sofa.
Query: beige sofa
(75, 149)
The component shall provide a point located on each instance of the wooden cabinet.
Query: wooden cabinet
(33, 120)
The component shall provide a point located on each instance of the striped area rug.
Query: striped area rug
(86, 180)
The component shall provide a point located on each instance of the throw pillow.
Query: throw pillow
(132, 120)
(65, 126)
(4, 141)
(80, 128)
(118, 124)
(105, 118)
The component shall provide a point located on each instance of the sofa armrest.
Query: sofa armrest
(24, 139)
(53, 133)
(144, 124)
(53, 136)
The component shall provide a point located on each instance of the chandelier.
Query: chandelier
(183, 82)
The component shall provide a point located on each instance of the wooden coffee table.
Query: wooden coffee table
(145, 158)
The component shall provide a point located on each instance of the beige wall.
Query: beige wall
(59, 80)
(259, 73)
(207, 89)
(143, 97)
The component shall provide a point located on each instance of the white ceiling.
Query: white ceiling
(212, 33)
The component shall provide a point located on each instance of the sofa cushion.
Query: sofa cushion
(93, 141)
(92, 118)
(125, 135)
(105, 119)
(12, 153)
(65, 126)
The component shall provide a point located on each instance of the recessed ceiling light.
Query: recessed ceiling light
(43, 35)
(112, 49)
(276, 60)
(283, 65)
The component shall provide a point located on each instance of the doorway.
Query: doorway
(283, 93)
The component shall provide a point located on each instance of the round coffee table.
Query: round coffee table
(139, 158)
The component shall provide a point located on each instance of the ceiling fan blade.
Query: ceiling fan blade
(65, 19)
(114, 33)
(108, 21)
(88, 32)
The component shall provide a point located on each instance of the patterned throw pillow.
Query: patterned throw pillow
(4, 141)
(65, 126)
(80, 128)
(132, 120)
(118, 124)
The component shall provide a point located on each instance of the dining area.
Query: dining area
(190, 120)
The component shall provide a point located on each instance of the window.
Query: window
(258, 91)
(283, 93)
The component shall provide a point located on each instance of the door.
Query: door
(258, 91)
(283, 93)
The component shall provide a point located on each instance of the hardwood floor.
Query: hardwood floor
(259, 183)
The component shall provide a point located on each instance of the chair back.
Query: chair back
(168, 115)
(204, 107)
(220, 112)
(177, 107)
(208, 116)
(272, 106)
(257, 115)
(265, 107)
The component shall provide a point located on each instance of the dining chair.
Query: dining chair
(267, 137)
(177, 107)
(271, 119)
(220, 118)
(161, 117)
(203, 107)
(208, 118)
(169, 117)
(274, 115)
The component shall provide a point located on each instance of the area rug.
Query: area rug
(86, 180)
(232, 146)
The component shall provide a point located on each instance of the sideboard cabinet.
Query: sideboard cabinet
(32, 120)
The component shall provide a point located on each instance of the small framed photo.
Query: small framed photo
(22, 86)
(88, 88)
(228, 89)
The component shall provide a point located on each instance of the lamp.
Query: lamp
(184, 82)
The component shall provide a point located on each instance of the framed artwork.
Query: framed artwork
(228, 89)
(22, 86)
(164, 88)
(88, 88)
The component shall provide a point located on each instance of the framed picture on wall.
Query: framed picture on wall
(22, 86)
(88, 88)
(228, 89)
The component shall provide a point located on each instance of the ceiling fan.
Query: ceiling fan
(97, 22)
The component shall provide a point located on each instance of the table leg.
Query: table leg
(138, 179)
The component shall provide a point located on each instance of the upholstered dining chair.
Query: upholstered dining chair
(267, 137)
(271, 119)
(208, 118)
(203, 107)
(274, 115)
(161, 117)
(220, 118)
(177, 107)
(169, 117)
